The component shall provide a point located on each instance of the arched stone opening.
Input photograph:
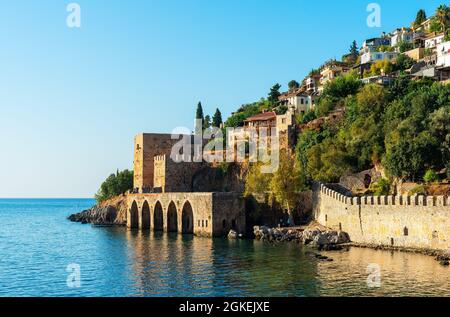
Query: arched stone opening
(172, 218)
(134, 216)
(145, 216)
(158, 223)
(187, 219)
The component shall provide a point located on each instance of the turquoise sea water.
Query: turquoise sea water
(37, 244)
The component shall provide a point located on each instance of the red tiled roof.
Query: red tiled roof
(265, 116)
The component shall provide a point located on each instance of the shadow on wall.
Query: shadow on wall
(262, 211)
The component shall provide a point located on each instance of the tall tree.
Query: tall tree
(354, 50)
(420, 18)
(207, 122)
(442, 14)
(217, 119)
(274, 94)
(199, 116)
(293, 84)
(287, 182)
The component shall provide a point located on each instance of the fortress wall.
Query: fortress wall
(403, 221)
(174, 177)
(146, 147)
(228, 213)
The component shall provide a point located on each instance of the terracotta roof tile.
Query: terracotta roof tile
(265, 116)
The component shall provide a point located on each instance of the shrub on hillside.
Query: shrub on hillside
(114, 185)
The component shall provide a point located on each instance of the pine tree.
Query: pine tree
(420, 18)
(217, 119)
(354, 50)
(207, 122)
(199, 116)
(293, 84)
(274, 94)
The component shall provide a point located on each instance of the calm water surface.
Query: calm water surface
(37, 244)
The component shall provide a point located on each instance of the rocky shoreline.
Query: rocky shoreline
(319, 238)
(324, 239)
(109, 213)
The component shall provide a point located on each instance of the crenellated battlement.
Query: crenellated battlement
(387, 200)
(393, 220)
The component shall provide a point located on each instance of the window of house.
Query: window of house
(203, 223)
(206, 223)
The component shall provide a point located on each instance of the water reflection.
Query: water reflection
(182, 265)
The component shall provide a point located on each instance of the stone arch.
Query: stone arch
(134, 216)
(158, 223)
(145, 216)
(187, 218)
(172, 218)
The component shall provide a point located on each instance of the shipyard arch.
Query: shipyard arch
(145, 216)
(158, 224)
(134, 216)
(172, 218)
(187, 219)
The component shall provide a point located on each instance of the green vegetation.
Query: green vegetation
(381, 187)
(405, 127)
(245, 111)
(420, 18)
(430, 176)
(217, 119)
(282, 186)
(274, 94)
(404, 62)
(114, 185)
(293, 84)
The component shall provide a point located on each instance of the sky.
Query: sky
(72, 99)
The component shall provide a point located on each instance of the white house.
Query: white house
(298, 101)
(434, 40)
(378, 56)
(401, 35)
(443, 55)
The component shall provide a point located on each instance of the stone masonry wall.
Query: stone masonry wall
(174, 177)
(401, 221)
(146, 147)
(209, 209)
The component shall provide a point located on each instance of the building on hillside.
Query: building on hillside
(312, 83)
(425, 26)
(443, 61)
(380, 79)
(372, 57)
(298, 101)
(433, 40)
(265, 120)
(372, 44)
(401, 35)
(330, 72)
(425, 68)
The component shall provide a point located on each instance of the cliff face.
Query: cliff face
(110, 212)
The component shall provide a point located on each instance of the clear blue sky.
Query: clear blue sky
(71, 100)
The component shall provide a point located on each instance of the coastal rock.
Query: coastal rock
(320, 238)
(96, 215)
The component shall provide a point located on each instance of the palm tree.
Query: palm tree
(443, 16)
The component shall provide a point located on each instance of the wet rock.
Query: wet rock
(96, 215)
